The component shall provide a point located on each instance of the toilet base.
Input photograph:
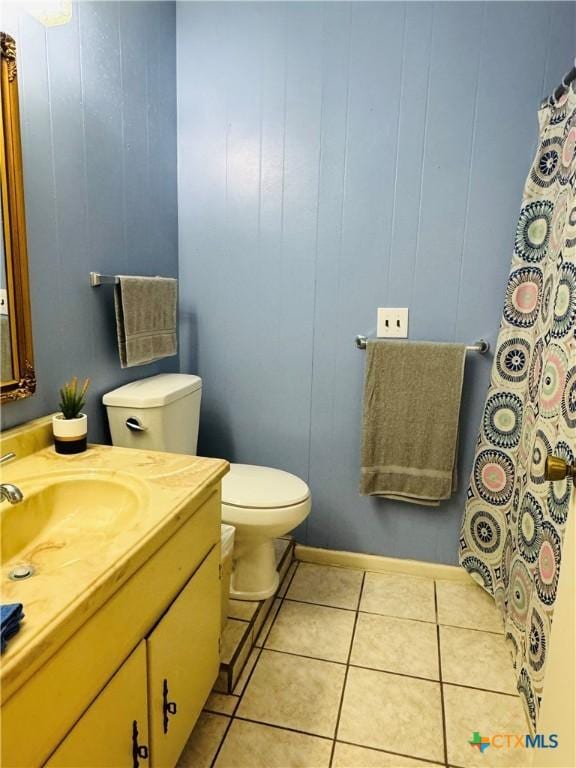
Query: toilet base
(254, 575)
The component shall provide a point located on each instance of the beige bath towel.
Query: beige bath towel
(412, 396)
(145, 318)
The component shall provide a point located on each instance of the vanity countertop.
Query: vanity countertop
(79, 566)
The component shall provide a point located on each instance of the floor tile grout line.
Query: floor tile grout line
(389, 752)
(395, 616)
(449, 684)
(442, 707)
(321, 605)
(471, 629)
(260, 650)
(223, 739)
(355, 665)
(245, 719)
(337, 726)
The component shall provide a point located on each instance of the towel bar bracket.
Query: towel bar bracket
(97, 279)
(481, 346)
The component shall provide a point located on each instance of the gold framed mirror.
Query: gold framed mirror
(17, 376)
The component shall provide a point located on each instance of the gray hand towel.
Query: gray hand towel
(412, 394)
(145, 319)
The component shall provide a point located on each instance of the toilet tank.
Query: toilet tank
(160, 413)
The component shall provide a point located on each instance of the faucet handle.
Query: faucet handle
(7, 457)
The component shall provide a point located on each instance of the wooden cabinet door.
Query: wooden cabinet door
(183, 662)
(113, 732)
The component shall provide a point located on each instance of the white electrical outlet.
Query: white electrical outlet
(392, 323)
(3, 301)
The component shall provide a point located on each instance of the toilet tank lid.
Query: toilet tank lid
(153, 391)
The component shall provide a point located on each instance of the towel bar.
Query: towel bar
(97, 279)
(481, 346)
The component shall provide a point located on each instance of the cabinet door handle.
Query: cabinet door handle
(138, 750)
(168, 707)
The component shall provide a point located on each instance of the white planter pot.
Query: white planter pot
(70, 435)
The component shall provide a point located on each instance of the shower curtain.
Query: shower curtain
(514, 521)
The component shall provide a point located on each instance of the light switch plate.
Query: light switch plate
(392, 323)
(3, 301)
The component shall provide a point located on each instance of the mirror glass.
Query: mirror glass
(17, 377)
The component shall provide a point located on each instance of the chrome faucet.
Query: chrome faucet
(9, 492)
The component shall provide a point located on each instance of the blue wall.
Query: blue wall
(334, 158)
(98, 112)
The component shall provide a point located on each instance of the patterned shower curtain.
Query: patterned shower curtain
(514, 521)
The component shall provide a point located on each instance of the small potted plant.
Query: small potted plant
(70, 427)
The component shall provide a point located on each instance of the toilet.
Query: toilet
(162, 413)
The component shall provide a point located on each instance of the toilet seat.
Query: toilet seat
(255, 488)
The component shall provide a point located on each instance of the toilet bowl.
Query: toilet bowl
(262, 504)
(162, 413)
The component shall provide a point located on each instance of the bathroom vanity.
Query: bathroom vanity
(120, 645)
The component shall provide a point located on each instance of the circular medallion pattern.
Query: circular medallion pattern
(560, 491)
(541, 449)
(547, 572)
(520, 593)
(553, 381)
(502, 420)
(487, 529)
(479, 571)
(513, 358)
(494, 476)
(537, 641)
(533, 230)
(522, 300)
(530, 522)
(545, 167)
(535, 370)
(565, 302)
(569, 399)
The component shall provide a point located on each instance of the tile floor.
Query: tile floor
(357, 669)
